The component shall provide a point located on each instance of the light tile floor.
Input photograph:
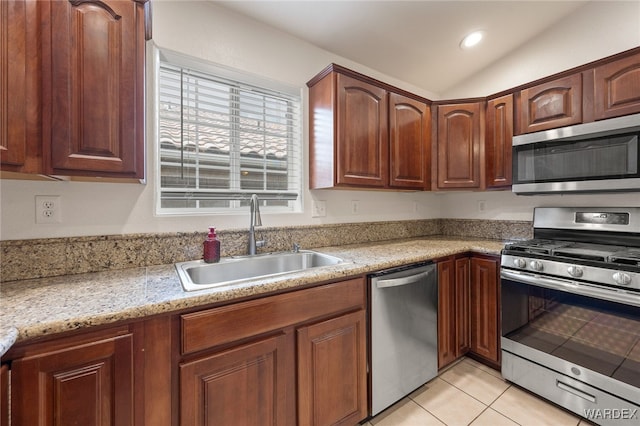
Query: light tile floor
(470, 393)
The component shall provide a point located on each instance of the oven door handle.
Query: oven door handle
(613, 295)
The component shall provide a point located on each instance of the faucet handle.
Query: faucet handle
(261, 243)
(296, 247)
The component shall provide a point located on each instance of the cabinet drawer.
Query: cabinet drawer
(217, 326)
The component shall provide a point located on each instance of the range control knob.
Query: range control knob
(520, 262)
(575, 271)
(536, 265)
(622, 278)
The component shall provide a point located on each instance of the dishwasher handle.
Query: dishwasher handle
(395, 282)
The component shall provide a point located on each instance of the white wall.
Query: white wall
(504, 205)
(596, 30)
(207, 31)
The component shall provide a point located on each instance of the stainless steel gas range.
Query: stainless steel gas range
(570, 315)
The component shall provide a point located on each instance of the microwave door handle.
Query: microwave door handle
(396, 282)
(613, 295)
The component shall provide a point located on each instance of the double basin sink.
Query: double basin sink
(198, 275)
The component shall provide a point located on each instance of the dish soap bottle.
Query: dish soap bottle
(211, 247)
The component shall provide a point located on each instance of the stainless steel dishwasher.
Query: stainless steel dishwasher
(404, 332)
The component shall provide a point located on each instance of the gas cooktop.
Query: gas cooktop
(566, 250)
(598, 246)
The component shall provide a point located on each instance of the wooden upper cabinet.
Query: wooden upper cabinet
(20, 149)
(497, 142)
(459, 145)
(363, 140)
(366, 134)
(93, 87)
(549, 105)
(409, 143)
(617, 88)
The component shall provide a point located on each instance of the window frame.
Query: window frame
(238, 206)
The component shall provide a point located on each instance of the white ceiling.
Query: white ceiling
(413, 41)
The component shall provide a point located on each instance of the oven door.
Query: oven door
(588, 333)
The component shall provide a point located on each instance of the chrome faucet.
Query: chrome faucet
(255, 220)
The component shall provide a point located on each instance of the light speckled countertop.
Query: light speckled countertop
(52, 305)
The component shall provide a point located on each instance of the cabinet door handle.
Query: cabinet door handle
(575, 391)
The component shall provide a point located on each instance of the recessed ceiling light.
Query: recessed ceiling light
(471, 39)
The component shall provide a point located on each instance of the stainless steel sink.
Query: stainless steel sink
(198, 275)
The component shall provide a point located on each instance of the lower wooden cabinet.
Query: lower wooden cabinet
(87, 380)
(462, 297)
(447, 352)
(332, 365)
(453, 310)
(297, 358)
(485, 308)
(246, 385)
(4, 395)
(468, 309)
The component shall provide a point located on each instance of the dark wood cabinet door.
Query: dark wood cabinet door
(485, 308)
(463, 299)
(447, 342)
(459, 144)
(20, 149)
(93, 85)
(409, 143)
(332, 371)
(245, 385)
(89, 383)
(4, 395)
(362, 134)
(497, 142)
(617, 88)
(549, 105)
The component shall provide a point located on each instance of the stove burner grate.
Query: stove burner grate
(629, 257)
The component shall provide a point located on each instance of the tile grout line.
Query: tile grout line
(500, 412)
(418, 404)
(462, 390)
(486, 406)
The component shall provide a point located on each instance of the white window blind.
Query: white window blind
(222, 140)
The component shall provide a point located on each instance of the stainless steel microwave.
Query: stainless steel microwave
(603, 156)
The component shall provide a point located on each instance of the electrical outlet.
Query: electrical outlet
(48, 209)
(318, 208)
(482, 206)
(355, 207)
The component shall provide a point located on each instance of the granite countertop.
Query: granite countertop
(39, 307)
